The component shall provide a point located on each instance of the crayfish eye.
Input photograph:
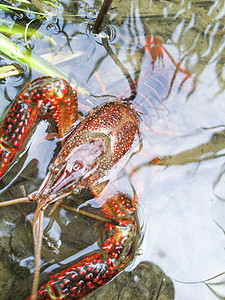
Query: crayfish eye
(54, 169)
(76, 191)
(51, 167)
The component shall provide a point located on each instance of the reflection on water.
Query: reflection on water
(183, 198)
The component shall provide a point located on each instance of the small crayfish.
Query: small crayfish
(88, 151)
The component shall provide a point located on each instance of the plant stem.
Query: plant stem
(101, 16)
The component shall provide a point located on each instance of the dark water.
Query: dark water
(181, 201)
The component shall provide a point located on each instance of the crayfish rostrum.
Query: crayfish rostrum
(88, 151)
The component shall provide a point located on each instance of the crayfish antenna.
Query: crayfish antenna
(15, 201)
(37, 228)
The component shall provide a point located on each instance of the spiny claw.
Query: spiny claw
(24, 109)
(98, 268)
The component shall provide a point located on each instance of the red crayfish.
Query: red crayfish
(88, 151)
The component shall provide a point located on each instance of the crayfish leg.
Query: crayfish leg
(24, 109)
(96, 269)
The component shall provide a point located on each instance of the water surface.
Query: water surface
(181, 201)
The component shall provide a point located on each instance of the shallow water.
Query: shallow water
(181, 201)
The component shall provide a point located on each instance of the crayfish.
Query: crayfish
(89, 150)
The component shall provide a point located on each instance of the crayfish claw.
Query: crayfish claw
(96, 269)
